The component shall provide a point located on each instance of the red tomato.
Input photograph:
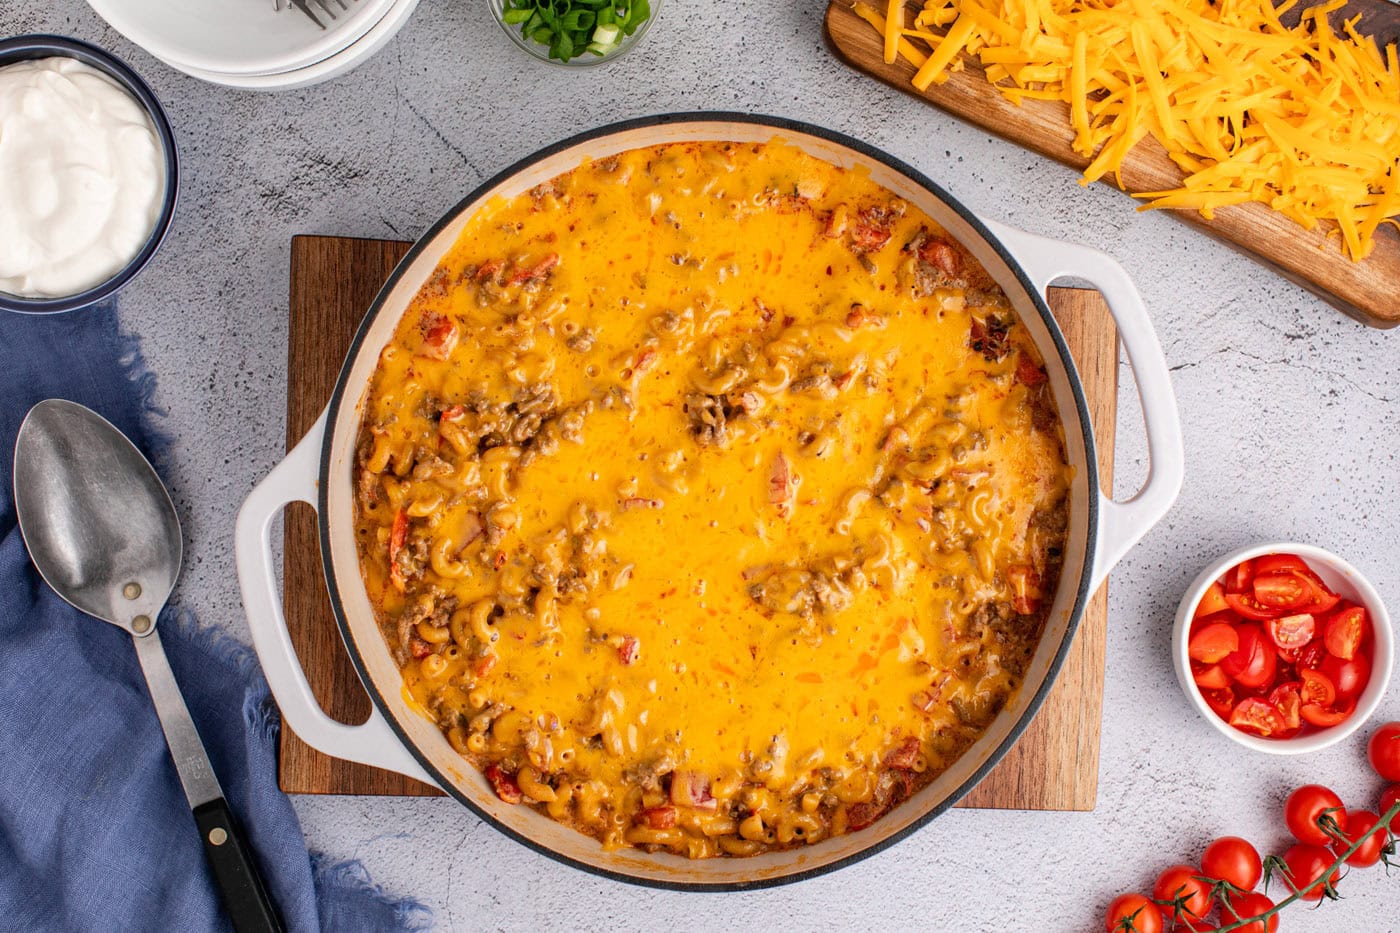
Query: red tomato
(1348, 677)
(1249, 607)
(1275, 563)
(1209, 676)
(1287, 701)
(1181, 882)
(1325, 717)
(1291, 632)
(1309, 656)
(1306, 864)
(1303, 809)
(1283, 591)
(1250, 905)
(1389, 798)
(1133, 912)
(1257, 717)
(1317, 689)
(1213, 643)
(1356, 825)
(1323, 598)
(1239, 577)
(1384, 751)
(1233, 859)
(1221, 701)
(1212, 601)
(1253, 664)
(1343, 632)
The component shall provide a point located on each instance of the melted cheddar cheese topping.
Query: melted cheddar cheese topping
(712, 498)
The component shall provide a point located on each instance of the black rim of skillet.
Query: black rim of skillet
(27, 48)
(783, 124)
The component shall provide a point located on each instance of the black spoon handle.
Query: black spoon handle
(239, 883)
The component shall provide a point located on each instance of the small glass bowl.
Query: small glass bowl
(22, 48)
(587, 59)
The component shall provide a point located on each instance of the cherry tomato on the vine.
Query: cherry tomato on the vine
(1356, 825)
(1303, 809)
(1232, 859)
(1384, 751)
(1183, 881)
(1389, 798)
(1307, 863)
(1246, 906)
(1133, 913)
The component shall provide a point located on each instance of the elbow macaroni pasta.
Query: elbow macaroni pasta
(711, 498)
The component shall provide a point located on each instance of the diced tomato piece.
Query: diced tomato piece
(1249, 607)
(1238, 579)
(941, 255)
(630, 650)
(1282, 590)
(1343, 632)
(535, 272)
(657, 817)
(503, 784)
(452, 414)
(1258, 717)
(1325, 717)
(1025, 588)
(397, 536)
(440, 338)
(1212, 601)
(905, 756)
(1209, 676)
(692, 789)
(1254, 663)
(1213, 643)
(419, 648)
(1288, 702)
(1316, 688)
(1028, 372)
(1291, 632)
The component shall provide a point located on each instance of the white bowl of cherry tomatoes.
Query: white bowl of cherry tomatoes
(1284, 648)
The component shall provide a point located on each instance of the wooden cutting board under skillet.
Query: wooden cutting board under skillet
(1368, 291)
(1054, 766)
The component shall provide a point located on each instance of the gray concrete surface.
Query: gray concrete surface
(1291, 413)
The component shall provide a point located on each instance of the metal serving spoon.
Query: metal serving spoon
(103, 532)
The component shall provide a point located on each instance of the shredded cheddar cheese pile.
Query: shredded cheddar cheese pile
(1304, 119)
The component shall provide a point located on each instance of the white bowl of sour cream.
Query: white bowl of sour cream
(88, 174)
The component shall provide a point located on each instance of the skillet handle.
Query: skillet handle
(1121, 523)
(295, 480)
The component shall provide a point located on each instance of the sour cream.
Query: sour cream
(82, 177)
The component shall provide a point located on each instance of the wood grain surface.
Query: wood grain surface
(1368, 291)
(1054, 766)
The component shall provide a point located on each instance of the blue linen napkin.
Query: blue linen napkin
(95, 833)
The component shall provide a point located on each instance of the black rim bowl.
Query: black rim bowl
(27, 48)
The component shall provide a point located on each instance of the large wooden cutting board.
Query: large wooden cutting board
(1368, 291)
(1055, 765)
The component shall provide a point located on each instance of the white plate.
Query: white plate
(241, 37)
(329, 67)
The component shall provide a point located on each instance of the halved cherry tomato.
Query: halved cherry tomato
(1273, 563)
(1257, 716)
(1325, 717)
(1291, 632)
(1221, 702)
(1282, 590)
(1325, 599)
(1249, 607)
(1343, 633)
(1316, 688)
(1210, 676)
(1212, 601)
(1254, 663)
(1239, 577)
(1288, 702)
(1214, 643)
(1348, 677)
(1307, 657)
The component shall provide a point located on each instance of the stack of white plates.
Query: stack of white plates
(250, 44)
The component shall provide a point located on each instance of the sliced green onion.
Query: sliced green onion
(573, 27)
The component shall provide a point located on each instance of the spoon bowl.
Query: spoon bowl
(96, 518)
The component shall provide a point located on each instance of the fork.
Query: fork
(305, 7)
